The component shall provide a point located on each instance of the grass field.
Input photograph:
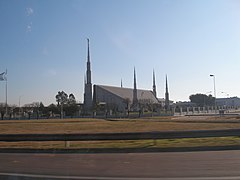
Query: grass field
(161, 143)
(89, 125)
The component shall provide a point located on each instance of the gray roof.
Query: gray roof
(128, 93)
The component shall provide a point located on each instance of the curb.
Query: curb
(121, 150)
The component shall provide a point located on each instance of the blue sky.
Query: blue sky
(43, 46)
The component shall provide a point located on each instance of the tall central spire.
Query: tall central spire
(88, 55)
(154, 85)
(88, 83)
(88, 65)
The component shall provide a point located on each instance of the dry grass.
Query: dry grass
(84, 125)
(89, 125)
(161, 143)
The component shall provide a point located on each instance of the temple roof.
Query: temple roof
(127, 93)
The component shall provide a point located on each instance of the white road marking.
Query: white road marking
(116, 178)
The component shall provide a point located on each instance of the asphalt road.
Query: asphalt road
(170, 166)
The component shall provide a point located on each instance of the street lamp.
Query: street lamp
(19, 104)
(211, 75)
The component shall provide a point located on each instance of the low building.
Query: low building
(228, 102)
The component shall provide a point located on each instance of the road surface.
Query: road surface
(170, 166)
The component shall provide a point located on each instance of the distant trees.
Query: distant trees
(36, 110)
(30, 108)
(66, 105)
(202, 99)
(53, 109)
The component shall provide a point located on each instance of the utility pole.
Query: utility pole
(211, 75)
(6, 93)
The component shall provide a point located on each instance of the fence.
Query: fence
(203, 110)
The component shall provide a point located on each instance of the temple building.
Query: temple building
(121, 98)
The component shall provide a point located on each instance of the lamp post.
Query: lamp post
(211, 75)
(19, 104)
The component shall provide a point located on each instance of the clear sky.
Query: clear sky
(43, 46)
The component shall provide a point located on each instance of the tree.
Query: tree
(32, 109)
(12, 110)
(61, 99)
(42, 107)
(67, 103)
(42, 110)
(53, 109)
(71, 106)
(202, 99)
(71, 98)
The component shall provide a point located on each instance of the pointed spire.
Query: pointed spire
(154, 85)
(88, 53)
(134, 79)
(135, 99)
(166, 85)
(88, 73)
(167, 107)
(153, 77)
